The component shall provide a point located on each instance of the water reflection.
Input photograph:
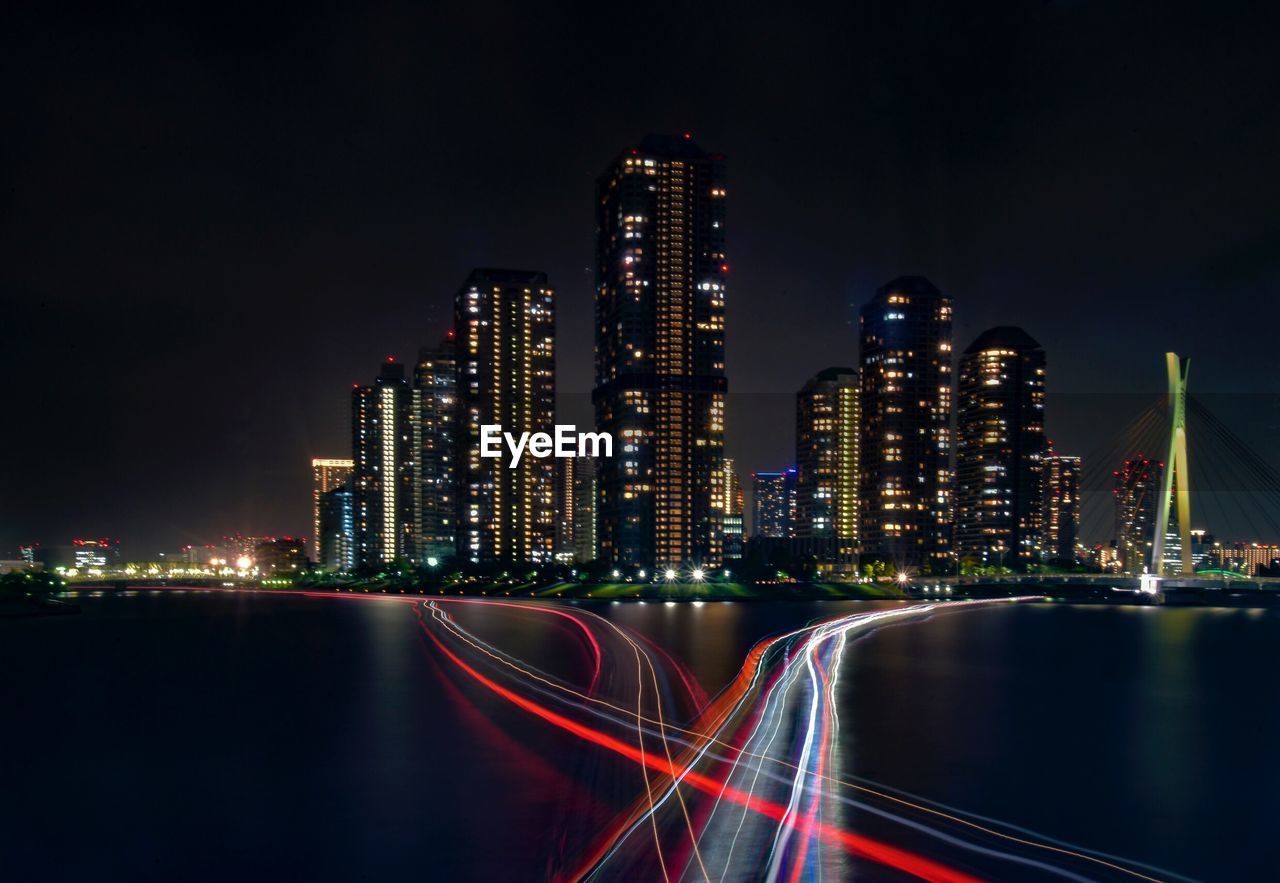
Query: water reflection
(1137, 731)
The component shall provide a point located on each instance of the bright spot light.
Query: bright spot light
(670, 574)
(616, 574)
(244, 562)
(902, 579)
(697, 574)
(432, 561)
(641, 574)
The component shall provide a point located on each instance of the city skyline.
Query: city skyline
(1043, 219)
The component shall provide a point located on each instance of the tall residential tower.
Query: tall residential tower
(660, 380)
(435, 379)
(326, 475)
(827, 467)
(1061, 517)
(386, 442)
(505, 326)
(906, 504)
(1000, 449)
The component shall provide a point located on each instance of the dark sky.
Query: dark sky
(212, 224)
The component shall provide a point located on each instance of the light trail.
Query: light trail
(711, 728)
(856, 844)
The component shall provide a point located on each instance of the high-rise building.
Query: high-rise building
(1000, 449)
(660, 386)
(773, 504)
(566, 510)
(504, 324)
(906, 502)
(1061, 517)
(435, 377)
(386, 442)
(827, 467)
(336, 549)
(584, 509)
(731, 499)
(327, 474)
(1137, 493)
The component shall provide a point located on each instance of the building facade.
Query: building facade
(773, 504)
(435, 377)
(1137, 493)
(566, 507)
(336, 548)
(327, 474)
(906, 401)
(732, 503)
(386, 442)
(826, 485)
(585, 494)
(504, 327)
(1061, 518)
(660, 383)
(1000, 449)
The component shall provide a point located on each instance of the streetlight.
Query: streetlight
(697, 574)
(669, 574)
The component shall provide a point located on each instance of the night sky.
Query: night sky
(212, 224)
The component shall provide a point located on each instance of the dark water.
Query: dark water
(200, 737)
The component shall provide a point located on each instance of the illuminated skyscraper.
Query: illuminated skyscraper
(435, 378)
(906, 505)
(731, 499)
(1137, 492)
(1061, 506)
(660, 381)
(566, 507)
(326, 475)
(1000, 449)
(773, 504)
(386, 442)
(827, 467)
(505, 326)
(337, 530)
(584, 509)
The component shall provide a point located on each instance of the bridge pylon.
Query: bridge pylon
(1175, 492)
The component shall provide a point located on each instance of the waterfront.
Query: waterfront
(207, 735)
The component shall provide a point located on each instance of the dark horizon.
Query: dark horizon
(211, 230)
